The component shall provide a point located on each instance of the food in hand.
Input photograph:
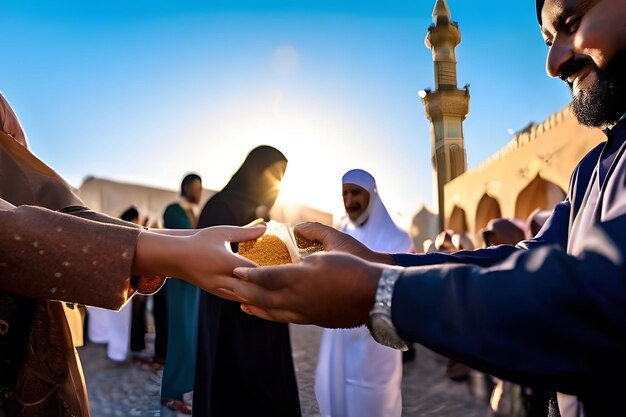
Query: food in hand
(306, 246)
(265, 251)
(279, 245)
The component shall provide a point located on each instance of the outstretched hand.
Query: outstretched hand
(328, 289)
(201, 258)
(335, 241)
(211, 267)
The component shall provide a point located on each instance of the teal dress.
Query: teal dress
(182, 321)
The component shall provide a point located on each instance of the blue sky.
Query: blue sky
(145, 91)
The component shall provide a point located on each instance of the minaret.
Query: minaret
(447, 106)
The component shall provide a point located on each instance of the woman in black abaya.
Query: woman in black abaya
(244, 365)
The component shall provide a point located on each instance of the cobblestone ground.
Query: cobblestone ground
(129, 389)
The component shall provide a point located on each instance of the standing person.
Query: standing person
(244, 365)
(356, 376)
(182, 307)
(113, 327)
(547, 312)
(54, 250)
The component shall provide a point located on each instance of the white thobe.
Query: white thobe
(356, 376)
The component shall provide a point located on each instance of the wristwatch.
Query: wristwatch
(380, 324)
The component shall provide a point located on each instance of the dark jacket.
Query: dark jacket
(549, 312)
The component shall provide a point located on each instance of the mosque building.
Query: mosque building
(531, 172)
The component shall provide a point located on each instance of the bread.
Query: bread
(265, 251)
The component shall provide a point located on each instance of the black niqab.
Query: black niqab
(244, 365)
(249, 180)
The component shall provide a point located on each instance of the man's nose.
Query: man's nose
(559, 54)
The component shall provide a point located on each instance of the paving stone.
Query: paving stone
(130, 389)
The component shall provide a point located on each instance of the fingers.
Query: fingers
(237, 261)
(257, 222)
(270, 277)
(259, 312)
(259, 296)
(283, 316)
(239, 234)
(229, 295)
(312, 231)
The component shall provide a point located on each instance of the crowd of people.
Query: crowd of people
(355, 376)
(543, 315)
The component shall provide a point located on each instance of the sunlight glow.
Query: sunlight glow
(316, 137)
(309, 139)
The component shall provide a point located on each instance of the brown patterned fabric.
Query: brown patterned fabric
(50, 382)
(78, 256)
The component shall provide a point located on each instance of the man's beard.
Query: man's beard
(604, 102)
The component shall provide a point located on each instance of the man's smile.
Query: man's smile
(581, 78)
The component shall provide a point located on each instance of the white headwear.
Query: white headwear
(374, 228)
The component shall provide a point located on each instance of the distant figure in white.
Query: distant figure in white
(113, 327)
(357, 377)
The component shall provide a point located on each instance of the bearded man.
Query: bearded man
(357, 377)
(547, 312)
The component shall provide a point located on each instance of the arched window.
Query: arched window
(538, 194)
(488, 208)
(457, 220)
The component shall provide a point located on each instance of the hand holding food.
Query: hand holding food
(279, 245)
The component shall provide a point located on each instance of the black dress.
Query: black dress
(244, 364)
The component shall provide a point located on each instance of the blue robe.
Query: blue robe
(182, 321)
(549, 312)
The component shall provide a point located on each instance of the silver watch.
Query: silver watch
(380, 324)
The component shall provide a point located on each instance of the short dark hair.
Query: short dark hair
(130, 214)
(539, 5)
(189, 178)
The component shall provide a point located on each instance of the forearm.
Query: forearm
(541, 318)
(159, 253)
(482, 257)
(554, 232)
(174, 232)
(50, 255)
